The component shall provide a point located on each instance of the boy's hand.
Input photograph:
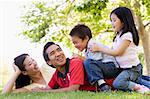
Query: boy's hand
(74, 55)
(77, 56)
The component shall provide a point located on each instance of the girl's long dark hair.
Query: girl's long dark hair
(126, 17)
(22, 80)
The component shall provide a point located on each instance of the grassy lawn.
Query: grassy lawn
(77, 95)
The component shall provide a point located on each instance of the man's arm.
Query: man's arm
(67, 89)
(48, 89)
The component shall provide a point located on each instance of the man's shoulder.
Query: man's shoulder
(76, 60)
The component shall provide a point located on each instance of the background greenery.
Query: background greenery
(53, 20)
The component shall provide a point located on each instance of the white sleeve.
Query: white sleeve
(127, 36)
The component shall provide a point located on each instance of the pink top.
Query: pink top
(129, 57)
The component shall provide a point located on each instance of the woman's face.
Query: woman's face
(30, 65)
(116, 23)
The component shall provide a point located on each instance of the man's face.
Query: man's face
(56, 56)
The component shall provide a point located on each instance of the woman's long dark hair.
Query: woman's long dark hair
(22, 80)
(126, 17)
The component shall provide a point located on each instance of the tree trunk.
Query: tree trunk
(145, 37)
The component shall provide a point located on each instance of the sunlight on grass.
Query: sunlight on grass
(77, 95)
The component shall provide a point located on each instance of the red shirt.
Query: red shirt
(74, 76)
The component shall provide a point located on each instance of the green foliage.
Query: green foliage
(42, 20)
(141, 57)
(147, 5)
(53, 20)
(37, 21)
(93, 7)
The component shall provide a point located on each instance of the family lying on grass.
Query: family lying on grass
(101, 70)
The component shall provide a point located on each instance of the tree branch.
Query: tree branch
(146, 24)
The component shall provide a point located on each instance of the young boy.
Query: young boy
(97, 65)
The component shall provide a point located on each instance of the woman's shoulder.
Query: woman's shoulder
(47, 72)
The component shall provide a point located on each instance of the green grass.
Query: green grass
(76, 95)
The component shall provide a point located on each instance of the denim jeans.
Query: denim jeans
(97, 70)
(144, 80)
(127, 79)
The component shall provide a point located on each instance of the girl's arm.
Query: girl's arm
(114, 52)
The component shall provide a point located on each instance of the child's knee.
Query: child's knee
(117, 84)
(87, 62)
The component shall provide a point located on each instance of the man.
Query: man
(69, 74)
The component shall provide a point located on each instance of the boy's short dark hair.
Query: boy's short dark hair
(81, 31)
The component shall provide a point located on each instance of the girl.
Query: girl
(124, 49)
(27, 75)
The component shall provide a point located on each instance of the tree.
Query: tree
(44, 21)
(141, 12)
(53, 22)
(144, 29)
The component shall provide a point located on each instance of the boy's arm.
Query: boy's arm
(78, 56)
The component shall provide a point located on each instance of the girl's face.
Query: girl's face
(30, 65)
(79, 43)
(116, 23)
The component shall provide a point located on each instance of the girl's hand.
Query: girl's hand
(95, 48)
(16, 69)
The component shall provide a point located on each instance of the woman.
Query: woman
(27, 75)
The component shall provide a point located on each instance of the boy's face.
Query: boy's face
(79, 43)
